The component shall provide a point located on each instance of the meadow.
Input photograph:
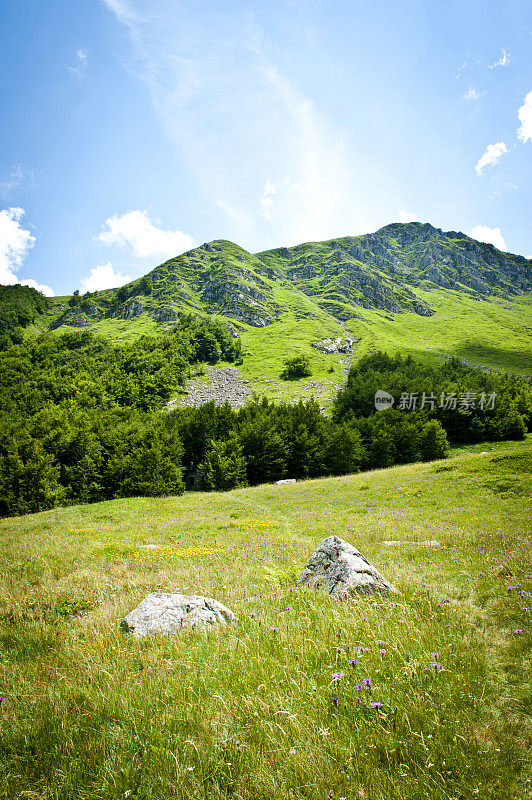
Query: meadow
(424, 694)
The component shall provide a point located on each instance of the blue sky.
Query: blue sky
(133, 130)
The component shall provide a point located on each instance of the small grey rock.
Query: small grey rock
(160, 612)
(285, 481)
(341, 570)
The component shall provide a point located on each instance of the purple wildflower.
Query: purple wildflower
(335, 701)
(353, 661)
(337, 676)
(376, 705)
(519, 630)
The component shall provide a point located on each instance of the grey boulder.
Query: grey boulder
(172, 613)
(341, 570)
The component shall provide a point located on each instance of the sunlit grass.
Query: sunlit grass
(421, 695)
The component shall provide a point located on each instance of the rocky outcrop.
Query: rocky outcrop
(341, 570)
(165, 315)
(382, 270)
(133, 308)
(90, 309)
(338, 345)
(174, 613)
(224, 385)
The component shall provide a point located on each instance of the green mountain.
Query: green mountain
(387, 270)
(408, 288)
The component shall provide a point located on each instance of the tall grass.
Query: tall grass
(420, 695)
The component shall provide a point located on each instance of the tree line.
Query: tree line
(84, 420)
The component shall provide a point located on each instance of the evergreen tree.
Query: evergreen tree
(263, 449)
(224, 466)
(433, 441)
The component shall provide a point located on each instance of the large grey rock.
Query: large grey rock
(341, 570)
(172, 613)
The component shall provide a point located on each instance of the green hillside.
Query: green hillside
(408, 288)
(431, 694)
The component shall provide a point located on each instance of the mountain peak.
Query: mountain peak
(394, 270)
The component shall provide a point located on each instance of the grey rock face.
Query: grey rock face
(165, 315)
(341, 570)
(133, 308)
(172, 613)
(336, 345)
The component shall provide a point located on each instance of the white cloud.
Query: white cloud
(473, 94)
(122, 9)
(103, 277)
(136, 230)
(461, 69)
(491, 156)
(253, 141)
(482, 233)
(41, 287)
(15, 243)
(525, 118)
(503, 61)
(80, 63)
(405, 216)
(11, 181)
(269, 196)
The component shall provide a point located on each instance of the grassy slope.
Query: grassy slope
(494, 334)
(249, 711)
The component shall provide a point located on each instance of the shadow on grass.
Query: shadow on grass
(498, 357)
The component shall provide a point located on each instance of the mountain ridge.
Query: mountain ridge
(384, 270)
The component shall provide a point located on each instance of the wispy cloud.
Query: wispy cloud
(145, 238)
(525, 118)
(15, 244)
(14, 179)
(473, 94)
(405, 216)
(462, 68)
(11, 181)
(491, 156)
(503, 61)
(80, 63)
(103, 277)
(483, 233)
(258, 145)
